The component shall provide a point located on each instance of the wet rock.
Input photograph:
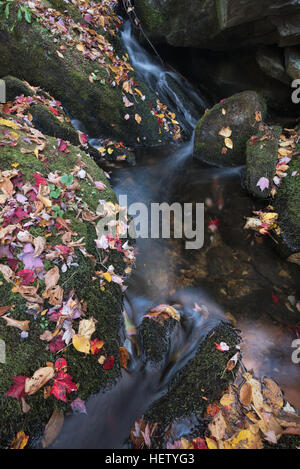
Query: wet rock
(292, 62)
(262, 159)
(221, 24)
(200, 381)
(239, 114)
(270, 60)
(287, 203)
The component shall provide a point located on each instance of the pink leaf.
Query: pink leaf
(263, 183)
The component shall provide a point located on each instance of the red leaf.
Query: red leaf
(109, 363)
(199, 443)
(60, 364)
(275, 299)
(17, 390)
(27, 276)
(62, 386)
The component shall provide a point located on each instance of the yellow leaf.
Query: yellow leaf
(87, 328)
(138, 92)
(229, 143)
(110, 150)
(15, 165)
(101, 149)
(80, 47)
(246, 440)
(224, 111)
(8, 123)
(138, 118)
(127, 87)
(81, 343)
(59, 54)
(225, 132)
(211, 444)
(20, 441)
(107, 276)
(227, 400)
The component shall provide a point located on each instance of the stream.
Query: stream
(235, 277)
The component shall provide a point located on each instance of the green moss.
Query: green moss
(15, 87)
(261, 160)
(45, 121)
(152, 18)
(25, 356)
(155, 339)
(29, 53)
(205, 375)
(287, 204)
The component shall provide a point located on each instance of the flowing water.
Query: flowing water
(233, 275)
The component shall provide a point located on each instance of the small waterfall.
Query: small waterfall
(179, 95)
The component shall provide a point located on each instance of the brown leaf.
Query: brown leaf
(38, 380)
(53, 427)
(124, 357)
(39, 246)
(7, 273)
(272, 393)
(22, 325)
(4, 309)
(52, 277)
(218, 426)
(246, 394)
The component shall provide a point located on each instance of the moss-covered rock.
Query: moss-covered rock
(287, 204)
(15, 87)
(78, 279)
(262, 159)
(200, 382)
(239, 113)
(45, 121)
(90, 89)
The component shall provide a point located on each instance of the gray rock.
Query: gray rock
(240, 117)
(271, 62)
(292, 62)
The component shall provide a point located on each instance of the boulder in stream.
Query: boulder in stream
(222, 132)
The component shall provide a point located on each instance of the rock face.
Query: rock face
(262, 159)
(84, 66)
(236, 118)
(218, 24)
(49, 195)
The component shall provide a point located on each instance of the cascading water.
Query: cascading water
(178, 94)
(160, 176)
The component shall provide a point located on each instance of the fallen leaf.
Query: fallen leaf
(38, 380)
(81, 343)
(20, 441)
(53, 427)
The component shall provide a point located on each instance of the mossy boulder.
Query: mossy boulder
(287, 204)
(240, 113)
(200, 382)
(262, 159)
(15, 87)
(78, 280)
(61, 63)
(45, 121)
